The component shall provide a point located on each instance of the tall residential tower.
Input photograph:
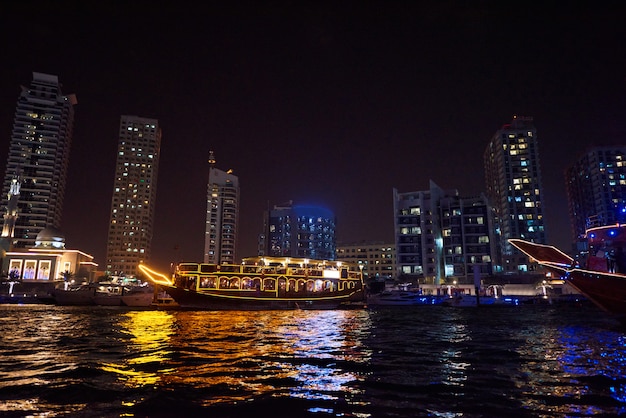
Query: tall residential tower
(222, 214)
(134, 195)
(513, 183)
(38, 158)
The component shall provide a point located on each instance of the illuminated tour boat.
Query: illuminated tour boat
(263, 283)
(600, 271)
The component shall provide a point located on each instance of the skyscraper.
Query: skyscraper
(513, 183)
(38, 158)
(596, 188)
(134, 195)
(222, 214)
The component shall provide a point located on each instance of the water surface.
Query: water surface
(535, 361)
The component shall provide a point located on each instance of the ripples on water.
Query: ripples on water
(535, 361)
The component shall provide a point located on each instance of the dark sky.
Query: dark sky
(329, 103)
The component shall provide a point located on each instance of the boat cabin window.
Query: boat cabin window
(269, 284)
(208, 282)
(188, 267)
(208, 268)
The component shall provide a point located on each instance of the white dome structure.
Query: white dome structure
(50, 237)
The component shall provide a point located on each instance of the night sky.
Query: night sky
(328, 103)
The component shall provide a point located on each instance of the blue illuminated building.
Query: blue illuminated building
(299, 231)
(596, 189)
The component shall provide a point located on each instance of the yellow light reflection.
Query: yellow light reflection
(151, 332)
(253, 350)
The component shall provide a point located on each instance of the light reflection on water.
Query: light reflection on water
(247, 350)
(430, 361)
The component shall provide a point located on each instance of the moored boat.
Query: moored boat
(138, 296)
(109, 293)
(263, 283)
(599, 273)
(80, 295)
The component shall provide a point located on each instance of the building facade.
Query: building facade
(596, 189)
(222, 215)
(48, 261)
(376, 259)
(134, 195)
(514, 189)
(299, 231)
(441, 237)
(38, 158)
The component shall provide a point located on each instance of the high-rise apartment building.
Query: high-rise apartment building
(596, 188)
(513, 187)
(38, 158)
(301, 231)
(441, 236)
(222, 214)
(134, 195)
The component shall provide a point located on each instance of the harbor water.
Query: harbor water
(432, 361)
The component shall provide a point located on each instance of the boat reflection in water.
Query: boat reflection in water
(226, 349)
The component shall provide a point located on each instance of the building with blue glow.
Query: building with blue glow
(596, 189)
(299, 231)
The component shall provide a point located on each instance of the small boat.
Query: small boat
(598, 273)
(263, 283)
(79, 295)
(140, 296)
(108, 293)
(164, 301)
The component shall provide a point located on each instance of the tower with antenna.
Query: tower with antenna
(222, 215)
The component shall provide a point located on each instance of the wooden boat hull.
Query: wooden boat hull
(606, 290)
(191, 299)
